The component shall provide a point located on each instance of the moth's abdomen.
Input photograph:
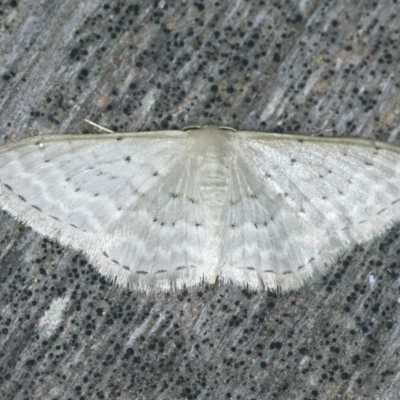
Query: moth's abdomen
(213, 183)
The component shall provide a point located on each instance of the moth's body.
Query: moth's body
(164, 210)
(211, 154)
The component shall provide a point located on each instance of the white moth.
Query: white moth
(159, 211)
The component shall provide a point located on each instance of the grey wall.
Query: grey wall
(269, 66)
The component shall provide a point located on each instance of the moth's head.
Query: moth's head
(208, 128)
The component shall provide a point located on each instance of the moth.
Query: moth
(159, 211)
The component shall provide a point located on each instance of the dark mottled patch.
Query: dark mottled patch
(21, 198)
(142, 272)
(36, 208)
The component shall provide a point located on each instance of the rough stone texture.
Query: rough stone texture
(277, 66)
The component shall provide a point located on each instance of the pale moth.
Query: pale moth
(159, 211)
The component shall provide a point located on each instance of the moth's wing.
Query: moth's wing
(299, 202)
(163, 240)
(125, 200)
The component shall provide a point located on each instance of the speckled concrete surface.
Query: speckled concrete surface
(305, 66)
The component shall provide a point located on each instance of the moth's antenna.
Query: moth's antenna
(99, 126)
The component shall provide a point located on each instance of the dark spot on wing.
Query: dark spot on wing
(36, 208)
(142, 272)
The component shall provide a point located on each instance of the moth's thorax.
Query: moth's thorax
(211, 149)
